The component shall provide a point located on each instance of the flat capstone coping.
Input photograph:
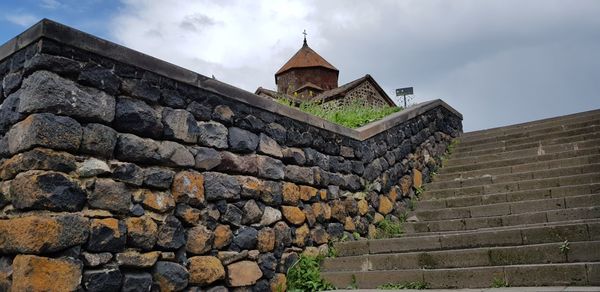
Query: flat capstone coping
(72, 37)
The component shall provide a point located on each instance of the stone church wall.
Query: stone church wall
(116, 177)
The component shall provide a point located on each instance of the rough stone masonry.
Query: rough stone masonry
(118, 177)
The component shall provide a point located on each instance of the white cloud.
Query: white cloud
(463, 51)
(50, 4)
(21, 19)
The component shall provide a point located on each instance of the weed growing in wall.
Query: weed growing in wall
(305, 275)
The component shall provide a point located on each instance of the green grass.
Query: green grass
(388, 229)
(499, 283)
(305, 275)
(352, 115)
(406, 285)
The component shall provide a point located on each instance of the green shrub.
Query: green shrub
(387, 229)
(305, 275)
(499, 283)
(408, 285)
(352, 115)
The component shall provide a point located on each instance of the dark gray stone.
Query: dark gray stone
(128, 173)
(110, 195)
(133, 148)
(298, 174)
(54, 191)
(335, 230)
(223, 114)
(314, 157)
(172, 276)
(102, 280)
(233, 163)
(67, 98)
(269, 167)
(272, 193)
(268, 264)
(101, 78)
(276, 131)
(136, 282)
(57, 64)
(173, 98)
(9, 112)
(142, 89)
(103, 238)
(352, 183)
(180, 125)
(137, 210)
(175, 154)
(45, 130)
(98, 140)
(241, 140)
(212, 134)
(245, 238)
(200, 111)
(252, 213)
(268, 146)
(232, 215)
(294, 156)
(283, 234)
(218, 186)
(135, 116)
(171, 234)
(38, 159)
(156, 177)
(207, 158)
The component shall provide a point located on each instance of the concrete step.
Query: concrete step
(540, 150)
(504, 187)
(535, 144)
(591, 212)
(586, 273)
(530, 131)
(504, 289)
(514, 162)
(546, 253)
(581, 168)
(517, 196)
(511, 208)
(579, 230)
(544, 123)
(534, 166)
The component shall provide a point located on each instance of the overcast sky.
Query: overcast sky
(497, 62)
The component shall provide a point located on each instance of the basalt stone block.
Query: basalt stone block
(298, 174)
(156, 177)
(128, 173)
(142, 232)
(201, 111)
(45, 130)
(110, 195)
(38, 190)
(218, 186)
(268, 265)
(252, 212)
(101, 78)
(250, 122)
(57, 64)
(187, 215)
(199, 240)
(137, 117)
(205, 270)
(102, 280)
(206, 158)
(133, 148)
(272, 193)
(270, 215)
(135, 259)
(283, 234)
(107, 235)
(9, 112)
(223, 114)
(136, 282)
(175, 154)
(251, 187)
(223, 236)
(11, 82)
(269, 167)
(268, 146)
(188, 187)
(277, 131)
(241, 140)
(294, 156)
(170, 276)
(37, 159)
(143, 89)
(41, 234)
(171, 234)
(313, 157)
(246, 164)
(173, 98)
(243, 273)
(180, 125)
(98, 140)
(92, 167)
(31, 273)
(212, 134)
(232, 215)
(47, 92)
(160, 202)
(4, 147)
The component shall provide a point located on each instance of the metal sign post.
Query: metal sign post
(404, 92)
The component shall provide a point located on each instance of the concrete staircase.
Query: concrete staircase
(518, 205)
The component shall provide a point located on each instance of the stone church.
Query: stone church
(309, 77)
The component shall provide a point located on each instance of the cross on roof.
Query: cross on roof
(304, 33)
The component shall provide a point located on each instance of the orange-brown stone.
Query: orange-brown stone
(349, 224)
(293, 215)
(266, 239)
(158, 201)
(338, 210)
(323, 195)
(322, 211)
(385, 205)
(39, 234)
(188, 187)
(302, 234)
(393, 194)
(142, 232)
(405, 183)
(417, 178)
(243, 273)
(363, 207)
(199, 240)
(278, 283)
(205, 270)
(223, 236)
(33, 273)
(307, 193)
(291, 193)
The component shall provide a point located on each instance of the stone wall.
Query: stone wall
(117, 177)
